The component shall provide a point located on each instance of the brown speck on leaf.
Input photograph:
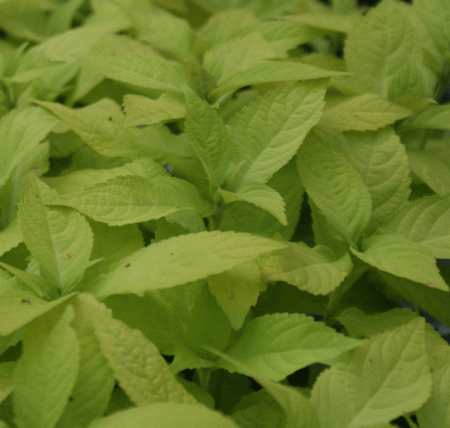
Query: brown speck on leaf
(67, 256)
(34, 166)
(26, 301)
(127, 265)
(231, 297)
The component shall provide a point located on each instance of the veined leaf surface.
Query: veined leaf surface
(385, 378)
(267, 133)
(277, 345)
(425, 221)
(180, 260)
(335, 187)
(133, 199)
(399, 256)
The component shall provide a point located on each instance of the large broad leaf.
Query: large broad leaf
(141, 69)
(360, 113)
(46, 371)
(59, 238)
(380, 159)
(399, 256)
(436, 411)
(95, 381)
(134, 199)
(137, 364)
(315, 270)
(166, 415)
(267, 133)
(335, 187)
(425, 221)
(181, 259)
(262, 196)
(385, 378)
(208, 136)
(277, 345)
(379, 48)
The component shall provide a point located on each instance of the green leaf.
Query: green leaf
(360, 113)
(425, 221)
(95, 381)
(378, 49)
(232, 56)
(20, 131)
(431, 168)
(385, 378)
(436, 15)
(10, 237)
(431, 117)
(279, 70)
(46, 371)
(134, 199)
(399, 256)
(359, 324)
(208, 136)
(297, 408)
(224, 24)
(145, 377)
(380, 159)
(79, 180)
(140, 110)
(258, 410)
(164, 31)
(103, 135)
(181, 259)
(436, 411)
(31, 282)
(277, 345)
(315, 270)
(35, 161)
(335, 187)
(262, 196)
(71, 44)
(166, 415)
(111, 244)
(332, 22)
(18, 308)
(141, 69)
(245, 217)
(267, 133)
(236, 291)
(6, 379)
(60, 239)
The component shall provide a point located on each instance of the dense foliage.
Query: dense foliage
(224, 213)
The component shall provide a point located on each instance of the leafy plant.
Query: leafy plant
(224, 214)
